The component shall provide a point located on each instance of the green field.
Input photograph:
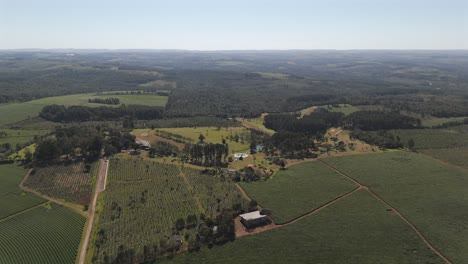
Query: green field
(215, 135)
(68, 182)
(19, 111)
(19, 136)
(433, 138)
(298, 190)
(437, 121)
(355, 230)
(342, 108)
(455, 156)
(13, 199)
(433, 196)
(45, 234)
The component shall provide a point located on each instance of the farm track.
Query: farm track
(190, 188)
(100, 186)
(395, 211)
(26, 189)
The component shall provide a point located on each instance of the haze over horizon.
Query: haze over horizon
(244, 25)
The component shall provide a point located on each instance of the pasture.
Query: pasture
(20, 111)
(433, 138)
(298, 190)
(236, 137)
(45, 234)
(341, 108)
(13, 199)
(19, 136)
(357, 229)
(72, 183)
(437, 121)
(430, 194)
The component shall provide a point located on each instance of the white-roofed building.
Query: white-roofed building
(253, 219)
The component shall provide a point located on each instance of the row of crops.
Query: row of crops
(145, 199)
(46, 234)
(72, 182)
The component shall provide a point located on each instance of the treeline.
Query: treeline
(110, 101)
(383, 139)
(378, 120)
(163, 149)
(61, 113)
(207, 154)
(82, 143)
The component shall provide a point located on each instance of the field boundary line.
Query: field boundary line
(443, 162)
(190, 188)
(23, 211)
(50, 199)
(408, 222)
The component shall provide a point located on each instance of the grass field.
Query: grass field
(354, 230)
(45, 234)
(19, 111)
(215, 135)
(433, 138)
(342, 108)
(13, 199)
(430, 194)
(68, 182)
(437, 121)
(18, 136)
(455, 156)
(299, 189)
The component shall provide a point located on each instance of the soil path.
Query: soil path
(100, 186)
(71, 207)
(395, 211)
(197, 200)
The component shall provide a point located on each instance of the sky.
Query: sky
(234, 24)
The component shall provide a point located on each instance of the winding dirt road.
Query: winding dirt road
(100, 186)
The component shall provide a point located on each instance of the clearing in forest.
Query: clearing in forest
(298, 190)
(430, 194)
(357, 229)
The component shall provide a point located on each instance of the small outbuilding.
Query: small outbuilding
(145, 145)
(177, 239)
(253, 219)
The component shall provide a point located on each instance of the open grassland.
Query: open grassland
(357, 230)
(45, 234)
(214, 192)
(298, 190)
(437, 121)
(13, 199)
(21, 154)
(341, 108)
(433, 138)
(19, 111)
(455, 156)
(19, 136)
(143, 200)
(72, 183)
(257, 124)
(216, 135)
(430, 194)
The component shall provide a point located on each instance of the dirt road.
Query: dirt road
(100, 186)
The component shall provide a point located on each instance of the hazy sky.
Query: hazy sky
(234, 24)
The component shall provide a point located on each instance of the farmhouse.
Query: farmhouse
(253, 219)
(145, 145)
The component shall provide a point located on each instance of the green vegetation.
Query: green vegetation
(46, 234)
(433, 138)
(355, 230)
(72, 182)
(342, 108)
(236, 137)
(438, 121)
(298, 190)
(19, 136)
(455, 156)
(13, 199)
(19, 111)
(430, 194)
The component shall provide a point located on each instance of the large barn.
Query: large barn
(253, 219)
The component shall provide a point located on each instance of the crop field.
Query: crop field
(357, 229)
(215, 135)
(430, 194)
(433, 138)
(13, 199)
(45, 234)
(298, 190)
(71, 183)
(214, 193)
(18, 136)
(455, 156)
(143, 200)
(342, 108)
(19, 111)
